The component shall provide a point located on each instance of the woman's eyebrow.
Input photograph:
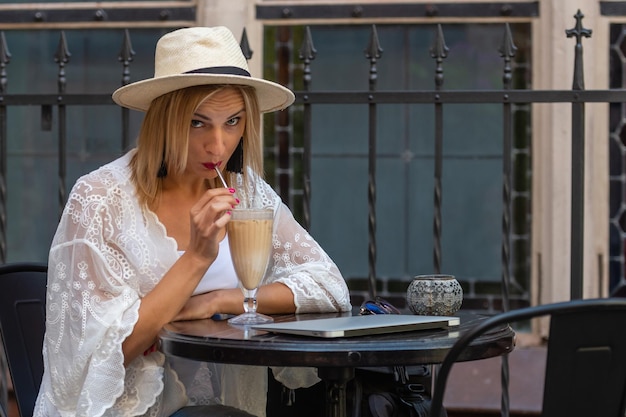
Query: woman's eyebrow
(207, 118)
(243, 110)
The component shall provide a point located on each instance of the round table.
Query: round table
(335, 359)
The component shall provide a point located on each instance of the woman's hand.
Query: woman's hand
(204, 306)
(208, 217)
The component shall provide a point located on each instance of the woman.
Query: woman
(142, 241)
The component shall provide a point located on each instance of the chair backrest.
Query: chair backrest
(22, 325)
(586, 357)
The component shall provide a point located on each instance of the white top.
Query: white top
(107, 253)
(221, 275)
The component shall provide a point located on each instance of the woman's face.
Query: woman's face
(216, 128)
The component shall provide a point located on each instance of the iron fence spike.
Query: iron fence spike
(126, 53)
(307, 50)
(5, 58)
(62, 55)
(508, 48)
(373, 50)
(439, 49)
(245, 45)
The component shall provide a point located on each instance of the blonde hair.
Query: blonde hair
(164, 138)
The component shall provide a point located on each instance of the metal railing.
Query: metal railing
(438, 98)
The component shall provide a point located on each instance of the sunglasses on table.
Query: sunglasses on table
(377, 306)
(382, 306)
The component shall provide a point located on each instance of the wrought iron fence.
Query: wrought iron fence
(438, 97)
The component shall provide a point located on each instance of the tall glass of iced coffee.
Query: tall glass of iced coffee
(250, 242)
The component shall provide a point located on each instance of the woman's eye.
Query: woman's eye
(196, 123)
(234, 121)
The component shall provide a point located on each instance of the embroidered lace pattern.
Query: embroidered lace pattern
(107, 253)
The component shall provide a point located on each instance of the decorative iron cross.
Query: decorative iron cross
(578, 32)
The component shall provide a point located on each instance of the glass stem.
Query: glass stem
(249, 300)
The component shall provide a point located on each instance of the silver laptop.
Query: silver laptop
(359, 325)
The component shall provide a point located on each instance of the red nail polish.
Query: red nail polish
(237, 200)
(232, 190)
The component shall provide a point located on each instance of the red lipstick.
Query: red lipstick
(211, 165)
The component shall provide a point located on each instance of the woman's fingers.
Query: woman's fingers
(223, 220)
(214, 193)
(209, 216)
(211, 206)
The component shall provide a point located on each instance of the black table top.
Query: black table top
(218, 341)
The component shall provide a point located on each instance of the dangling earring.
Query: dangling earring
(235, 163)
(162, 172)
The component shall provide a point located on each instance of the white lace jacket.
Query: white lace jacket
(108, 252)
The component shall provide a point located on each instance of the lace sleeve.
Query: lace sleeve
(93, 301)
(300, 263)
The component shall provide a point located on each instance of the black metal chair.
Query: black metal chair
(22, 325)
(586, 357)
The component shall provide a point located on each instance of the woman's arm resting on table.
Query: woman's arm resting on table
(274, 298)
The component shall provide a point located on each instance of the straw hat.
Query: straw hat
(200, 56)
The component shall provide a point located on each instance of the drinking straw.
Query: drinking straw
(219, 174)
